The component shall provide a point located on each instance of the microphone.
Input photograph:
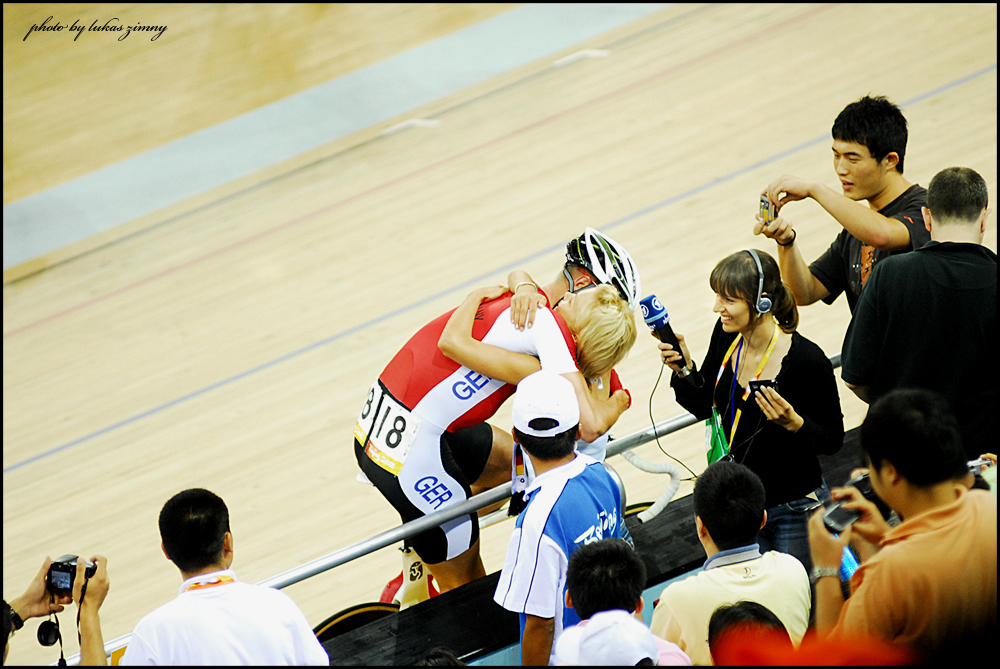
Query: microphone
(658, 320)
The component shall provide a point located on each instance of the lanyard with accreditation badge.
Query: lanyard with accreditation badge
(746, 393)
(218, 580)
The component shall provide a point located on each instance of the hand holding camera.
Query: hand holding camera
(91, 584)
(37, 601)
(771, 225)
(850, 508)
(773, 406)
(63, 573)
(768, 211)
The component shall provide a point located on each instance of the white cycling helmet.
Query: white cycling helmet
(608, 261)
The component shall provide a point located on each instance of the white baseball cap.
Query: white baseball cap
(545, 394)
(608, 638)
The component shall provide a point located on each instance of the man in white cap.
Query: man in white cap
(571, 500)
(609, 639)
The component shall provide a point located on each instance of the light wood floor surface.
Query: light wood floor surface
(231, 344)
(215, 61)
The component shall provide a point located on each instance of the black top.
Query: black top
(929, 320)
(785, 461)
(847, 264)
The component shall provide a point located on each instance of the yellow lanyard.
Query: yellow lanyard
(746, 393)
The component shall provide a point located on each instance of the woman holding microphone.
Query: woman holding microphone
(778, 430)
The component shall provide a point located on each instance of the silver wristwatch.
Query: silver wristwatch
(820, 572)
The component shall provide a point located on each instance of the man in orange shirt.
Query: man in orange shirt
(932, 584)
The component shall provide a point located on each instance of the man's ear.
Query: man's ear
(639, 607)
(164, 549)
(889, 473)
(569, 600)
(891, 160)
(700, 526)
(927, 217)
(764, 521)
(581, 279)
(227, 542)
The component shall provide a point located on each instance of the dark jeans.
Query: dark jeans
(787, 528)
(787, 531)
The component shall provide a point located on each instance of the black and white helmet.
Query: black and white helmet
(608, 261)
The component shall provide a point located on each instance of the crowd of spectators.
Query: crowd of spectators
(781, 585)
(776, 586)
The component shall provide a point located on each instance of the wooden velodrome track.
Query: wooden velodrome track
(230, 343)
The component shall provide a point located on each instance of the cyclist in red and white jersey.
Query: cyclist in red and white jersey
(421, 438)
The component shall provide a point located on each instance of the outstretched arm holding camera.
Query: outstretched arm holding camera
(806, 288)
(36, 600)
(97, 586)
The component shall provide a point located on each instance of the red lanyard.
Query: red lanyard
(218, 580)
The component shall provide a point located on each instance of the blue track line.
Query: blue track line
(474, 281)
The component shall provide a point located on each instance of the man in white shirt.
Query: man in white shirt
(215, 619)
(729, 512)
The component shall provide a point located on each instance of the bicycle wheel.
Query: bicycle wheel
(352, 618)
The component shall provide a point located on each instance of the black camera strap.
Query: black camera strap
(48, 634)
(79, 606)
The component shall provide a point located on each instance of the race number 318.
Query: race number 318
(388, 427)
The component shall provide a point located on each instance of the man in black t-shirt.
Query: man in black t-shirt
(928, 319)
(869, 143)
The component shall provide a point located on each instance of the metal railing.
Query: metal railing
(414, 527)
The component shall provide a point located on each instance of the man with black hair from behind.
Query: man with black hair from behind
(729, 512)
(937, 303)
(608, 575)
(215, 618)
(744, 623)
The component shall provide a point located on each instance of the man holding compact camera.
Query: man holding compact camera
(46, 595)
(932, 585)
(869, 144)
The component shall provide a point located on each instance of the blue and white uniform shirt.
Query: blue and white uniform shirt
(569, 506)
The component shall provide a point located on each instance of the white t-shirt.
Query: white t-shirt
(217, 621)
(775, 580)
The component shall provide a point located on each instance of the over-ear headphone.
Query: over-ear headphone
(763, 304)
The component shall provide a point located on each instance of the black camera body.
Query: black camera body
(755, 385)
(62, 573)
(836, 517)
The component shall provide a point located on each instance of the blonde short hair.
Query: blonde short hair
(605, 333)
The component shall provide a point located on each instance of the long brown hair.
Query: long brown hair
(736, 277)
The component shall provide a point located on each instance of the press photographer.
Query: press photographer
(932, 584)
(55, 585)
